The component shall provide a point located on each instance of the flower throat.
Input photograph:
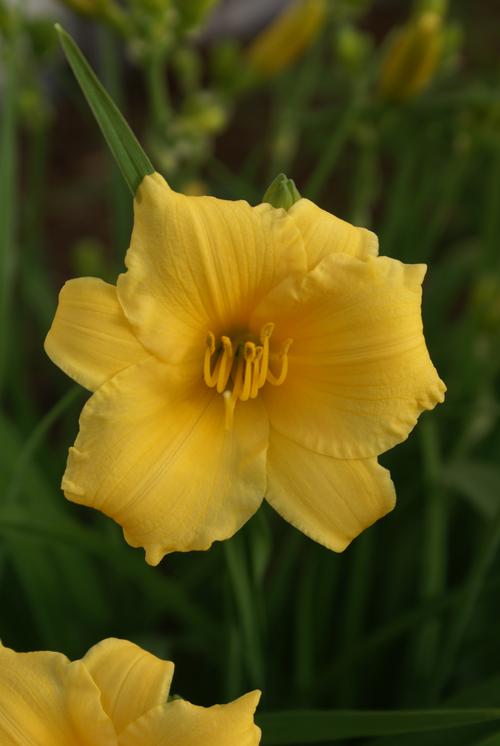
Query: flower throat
(239, 370)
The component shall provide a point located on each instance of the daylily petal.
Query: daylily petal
(131, 680)
(153, 454)
(92, 724)
(90, 339)
(199, 264)
(359, 371)
(324, 234)
(180, 722)
(330, 500)
(40, 703)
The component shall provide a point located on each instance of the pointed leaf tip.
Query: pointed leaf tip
(128, 153)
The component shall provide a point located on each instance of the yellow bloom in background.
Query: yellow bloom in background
(115, 696)
(246, 352)
(87, 7)
(412, 58)
(286, 38)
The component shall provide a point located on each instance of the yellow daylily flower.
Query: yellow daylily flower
(115, 696)
(246, 352)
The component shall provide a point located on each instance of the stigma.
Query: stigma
(239, 369)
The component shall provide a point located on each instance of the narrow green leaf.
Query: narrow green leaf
(240, 577)
(21, 465)
(169, 595)
(8, 168)
(304, 727)
(487, 552)
(478, 482)
(493, 740)
(129, 155)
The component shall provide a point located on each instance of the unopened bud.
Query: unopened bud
(412, 58)
(284, 40)
(431, 6)
(282, 193)
(353, 47)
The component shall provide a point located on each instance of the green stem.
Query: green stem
(365, 183)
(375, 642)
(491, 222)
(8, 161)
(34, 441)
(35, 279)
(168, 595)
(305, 633)
(292, 100)
(473, 587)
(449, 189)
(243, 593)
(434, 546)
(158, 92)
(396, 207)
(330, 154)
(360, 582)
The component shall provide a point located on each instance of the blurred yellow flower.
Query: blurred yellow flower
(87, 7)
(115, 696)
(284, 40)
(246, 352)
(412, 58)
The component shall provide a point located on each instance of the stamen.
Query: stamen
(256, 372)
(226, 363)
(249, 355)
(208, 376)
(240, 371)
(283, 357)
(265, 336)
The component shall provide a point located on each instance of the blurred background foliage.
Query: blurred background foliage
(386, 113)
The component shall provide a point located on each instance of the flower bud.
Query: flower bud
(204, 113)
(412, 58)
(282, 193)
(281, 43)
(352, 47)
(193, 12)
(86, 7)
(432, 6)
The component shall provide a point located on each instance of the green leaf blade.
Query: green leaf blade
(128, 153)
(304, 727)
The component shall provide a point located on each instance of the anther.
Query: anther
(238, 372)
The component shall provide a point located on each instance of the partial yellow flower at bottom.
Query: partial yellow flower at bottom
(248, 352)
(115, 696)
